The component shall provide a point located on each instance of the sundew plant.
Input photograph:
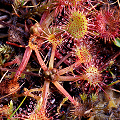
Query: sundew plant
(59, 60)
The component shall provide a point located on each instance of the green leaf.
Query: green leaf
(117, 42)
(17, 108)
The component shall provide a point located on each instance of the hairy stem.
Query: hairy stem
(51, 63)
(59, 87)
(68, 78)
(70, 68)
(40, 60)
(63, 59)
(45, 93)
(24, 62)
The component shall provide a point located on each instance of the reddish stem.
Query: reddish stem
(16, 60)
(60, 88)
(62, 59)
(15, 44)
(68, 78)
(24, 62)
(70, 68)
(40, 60)
(45, 93)
(51, 63)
